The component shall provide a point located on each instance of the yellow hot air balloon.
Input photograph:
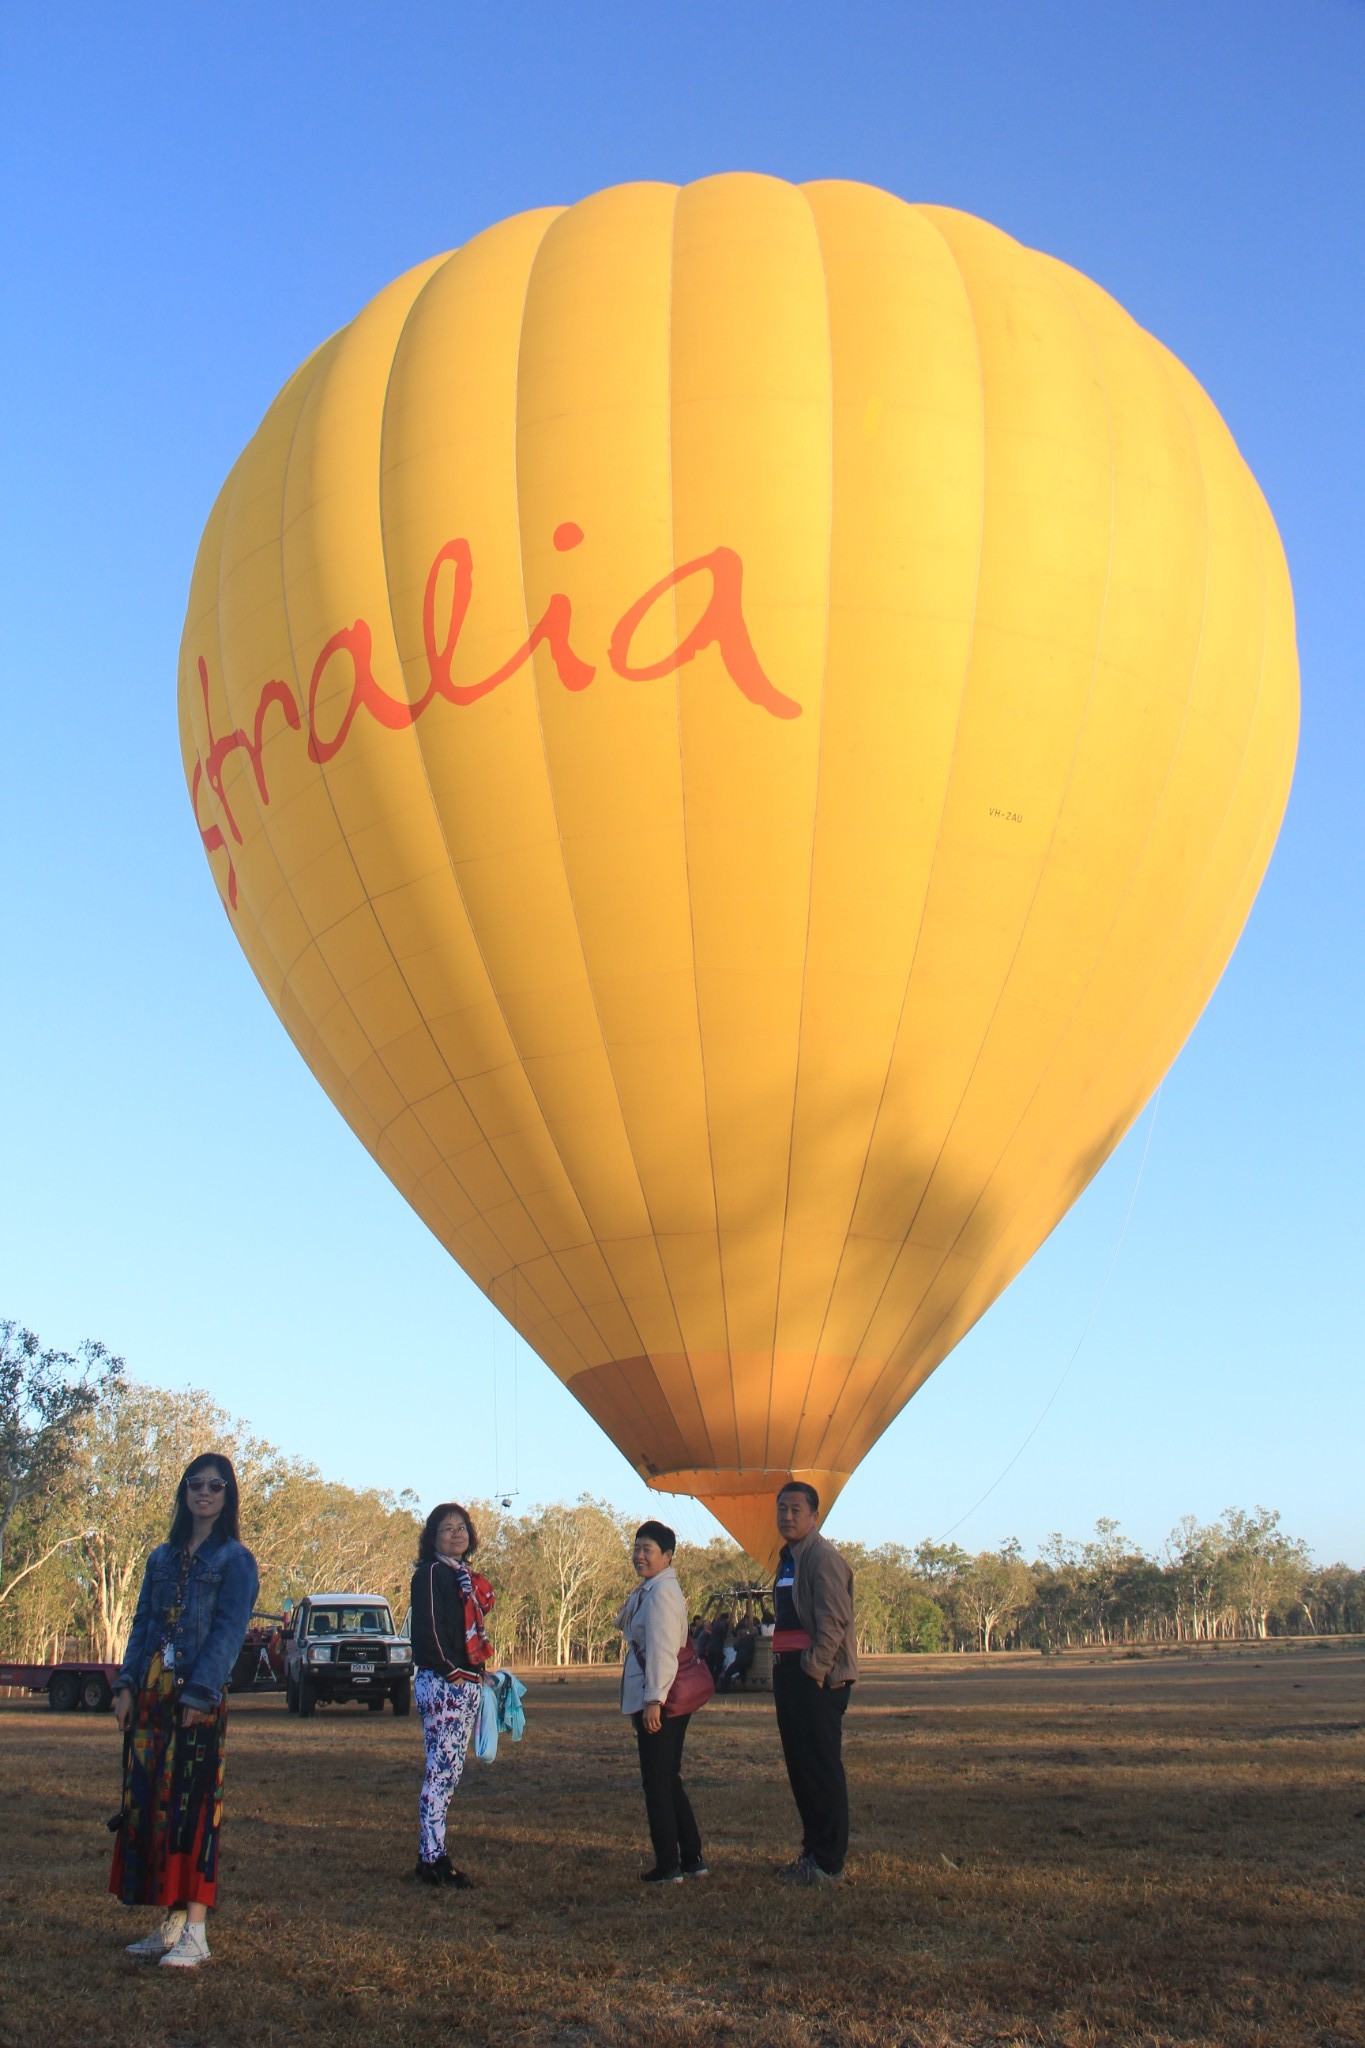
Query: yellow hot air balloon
(738, 728)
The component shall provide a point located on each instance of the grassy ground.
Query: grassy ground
(1141, 1852)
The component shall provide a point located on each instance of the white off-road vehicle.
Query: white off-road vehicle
(344, 1646)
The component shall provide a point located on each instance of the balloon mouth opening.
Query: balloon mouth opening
(744, 1501)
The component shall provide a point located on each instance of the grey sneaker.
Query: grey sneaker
(809, 1872)
(190, 1950)
(161, 1938)
(790, 1873)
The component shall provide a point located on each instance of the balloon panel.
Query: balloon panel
(738, 728)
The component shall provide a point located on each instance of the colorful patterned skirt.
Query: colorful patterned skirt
(166, 1853)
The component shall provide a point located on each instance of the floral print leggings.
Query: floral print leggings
(448, 1709)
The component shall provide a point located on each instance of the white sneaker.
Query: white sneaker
(190, 1950)
(161, 1938)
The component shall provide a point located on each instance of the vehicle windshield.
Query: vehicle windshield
(369, 1620)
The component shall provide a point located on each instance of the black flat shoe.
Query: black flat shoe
(442, 1872)
(661, 1877)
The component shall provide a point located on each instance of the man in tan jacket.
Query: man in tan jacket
(814, 1665)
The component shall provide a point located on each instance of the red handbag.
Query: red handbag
(692, 1687)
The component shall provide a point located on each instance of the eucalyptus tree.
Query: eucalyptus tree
(46, 1396)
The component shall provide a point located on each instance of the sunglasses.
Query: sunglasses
(204, 1486)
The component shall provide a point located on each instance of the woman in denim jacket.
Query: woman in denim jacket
(170, 1701)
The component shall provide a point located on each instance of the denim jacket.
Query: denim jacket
(220, 1592)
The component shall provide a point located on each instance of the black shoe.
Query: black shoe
(446, 1874)
(657, 1876)
(697, 1869)
(426, 1873)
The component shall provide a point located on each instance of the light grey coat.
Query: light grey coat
(653, 1625)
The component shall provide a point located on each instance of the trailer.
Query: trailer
(259, 1666)
(83, 1682)
(79, 1683)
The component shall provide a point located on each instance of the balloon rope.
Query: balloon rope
(693, 1516)
(1132, 1199)
(497, 1460)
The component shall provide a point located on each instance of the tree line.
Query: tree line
(89, 1461)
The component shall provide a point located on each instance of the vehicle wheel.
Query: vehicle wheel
(402, 1696)
(95, 1693)
(291, 1696)
(376, 1706)
(63, 1691)
(308, 1699)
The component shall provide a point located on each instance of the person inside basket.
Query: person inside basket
(739, 1657)
(653, 1625)
(170, 1704)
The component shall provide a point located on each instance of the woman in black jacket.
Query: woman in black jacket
(450, 1649)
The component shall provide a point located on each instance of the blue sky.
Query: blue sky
(193, 199)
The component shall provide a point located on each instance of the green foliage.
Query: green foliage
(893, 1602)
(45, 1397)
(988, 1593)
(709, 1570)
(90, 1532)
(560, 1574)
(89, 1462)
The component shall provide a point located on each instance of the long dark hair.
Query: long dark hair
(182, 1521)
(426, 1545)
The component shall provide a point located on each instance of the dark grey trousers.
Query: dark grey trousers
(810, 1721)
(672, 1828)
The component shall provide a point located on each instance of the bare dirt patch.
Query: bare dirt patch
(1141, 1853)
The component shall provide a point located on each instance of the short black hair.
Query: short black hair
(426, 1543)
(800, 1486)
(182, 1521)
(657, 1532)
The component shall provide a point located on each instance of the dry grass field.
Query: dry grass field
(1151, 1851)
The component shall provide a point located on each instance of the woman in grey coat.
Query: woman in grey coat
(653, 1625)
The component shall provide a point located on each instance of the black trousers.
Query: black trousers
(810, 1721)
(672, 1828)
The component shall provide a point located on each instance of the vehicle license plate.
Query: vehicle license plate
(358, 1669)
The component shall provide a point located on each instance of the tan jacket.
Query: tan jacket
(823, 1592)
(653, 1625)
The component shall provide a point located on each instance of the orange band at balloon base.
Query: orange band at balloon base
(745, 1503)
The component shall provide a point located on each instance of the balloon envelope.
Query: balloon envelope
(738, 728)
